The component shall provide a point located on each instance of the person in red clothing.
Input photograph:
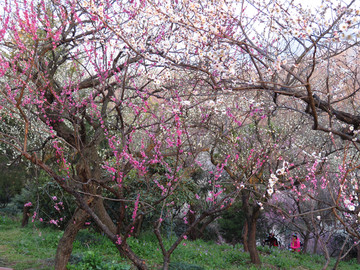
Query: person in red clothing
(295, 243)
(271, 241)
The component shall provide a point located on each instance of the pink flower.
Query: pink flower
(119, 241)
(53, 222)
(28, 204)
(34, 216)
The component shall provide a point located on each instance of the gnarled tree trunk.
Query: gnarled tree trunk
(65, 245)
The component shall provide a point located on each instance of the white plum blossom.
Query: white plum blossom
(309, 30)
(186, 103)
(280, 171)
(273, 179)
(209, 103)
(343, 27)
(261, 205)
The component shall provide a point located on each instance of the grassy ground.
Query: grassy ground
(34, 248)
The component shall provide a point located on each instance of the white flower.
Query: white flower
(232, 71)
(351, 207)
(261, 205)
(270, 191)
(357, 33)
(309, 30)
(186, 102)
(347, 202)
(343, 27)
(347, 35)
(210, 103)
(280, 171)
(273, 179)
(318, 217)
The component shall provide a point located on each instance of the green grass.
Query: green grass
(24, 247)
(34, 247)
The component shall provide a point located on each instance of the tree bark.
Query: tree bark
(193, 234)
(327, 256)
(139, 226)
(252, 214)
(254, 255)
(306, 241)
(339, 257)
(100, 210)
(166, 263)
(315, 244)
(65, 245)
(125, 249)
(26, 215)
(245, 237)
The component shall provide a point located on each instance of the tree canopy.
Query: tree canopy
(125, 101)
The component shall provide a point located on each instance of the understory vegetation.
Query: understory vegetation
(34, 247)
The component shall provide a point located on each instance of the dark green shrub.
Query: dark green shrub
(48, 201)
(232, 223)
(87, 237)
(13, 175)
